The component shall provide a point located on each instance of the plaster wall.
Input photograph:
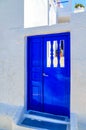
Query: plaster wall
(11, 52)
(78, 67)
(12, 56)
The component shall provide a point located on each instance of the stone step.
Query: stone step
(25, 125)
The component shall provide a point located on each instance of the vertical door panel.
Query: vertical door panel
(57, 76)
(35, 73)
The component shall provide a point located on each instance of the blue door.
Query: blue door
(48, 73)
(56, 75)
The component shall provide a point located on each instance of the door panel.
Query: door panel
(56, 78)
(35, 71)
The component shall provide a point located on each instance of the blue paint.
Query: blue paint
(32, 123)
(49, 94)
(48, 116)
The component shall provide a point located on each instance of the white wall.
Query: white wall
(78, 62)
(12, 56)
(11, 52)
(35, 13)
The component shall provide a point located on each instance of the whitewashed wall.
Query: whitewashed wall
(35, 13)
(78, 71)
(12, 56)
(11, 52)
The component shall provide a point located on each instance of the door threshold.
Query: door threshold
(41, 116)
(38, 124)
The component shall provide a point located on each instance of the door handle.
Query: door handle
(45, 75)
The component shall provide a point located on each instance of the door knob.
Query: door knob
(45, 75)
